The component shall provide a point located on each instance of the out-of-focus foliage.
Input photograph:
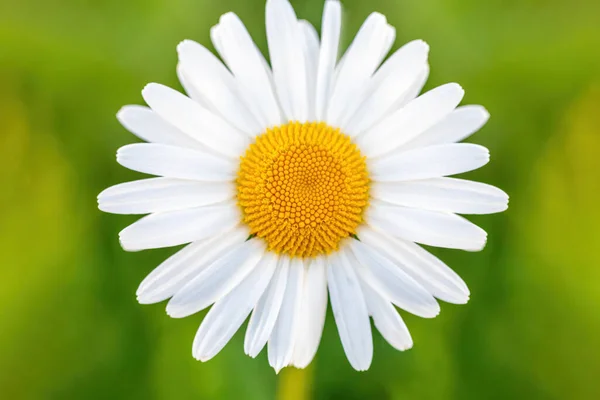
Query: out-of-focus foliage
(70, 327)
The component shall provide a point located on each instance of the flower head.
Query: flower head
(301, 178)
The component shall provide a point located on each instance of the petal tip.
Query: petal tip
(433, 312)
(228, 17)
(150, 90)
(142, 299)
(480, 246)
(457, 88)
(377, 17)
(277, 369)
(406, 346)
(420, 43)
(199, 354)
(172, 311)
(485, 114)
(458, 299)
(124, 242)
(424, 48)
(148, 87)
(185, 43)
(102, 206)
(121, 114)
(362, 368)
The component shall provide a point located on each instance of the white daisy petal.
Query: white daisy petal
(216, 37)
(389, 41)
(245, 61)
(388, 38)
(289, 67)
(458, 125)
(414, 90)
(172, 228)
(266, 311)
(410, 121)
(350, 311)
(422, 266)
(389, 84)
(228, 313)
(162, 194)
(312, 313)
(310, 38)
(195, 120)
(443, 194)
(311, 58)
(176, 271)
(216, 280)
(176, 162)
(409, 95)
(386, 319)
(192, 92)
(208, 76)
(386, 278)
(148, 126)
(330, 38)
(433, 228)
(360, 62)
(282, 340)
(429, 162)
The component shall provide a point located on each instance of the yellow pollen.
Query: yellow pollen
(303, 188)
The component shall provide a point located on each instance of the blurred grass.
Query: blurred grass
(71, 328)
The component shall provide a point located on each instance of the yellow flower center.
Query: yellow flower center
(302, 188)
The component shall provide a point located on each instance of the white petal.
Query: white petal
(172, 228)
(162, 194)
(207, 75)
(176, 271)
(406, 97)
(429, 162)
(458, 125)
(388, 42)
(245, 61)
(350, 312)
(312, 313)
(282, 340)
(311, 42)
(443, 194)
(432, 228)
(196, 121)
(311, 57)
(176, 162)
(360, 62)
(415, 89)
(410, 121)
(286, 42)
(216, 280)
(148, 126)
(387, 320)
(422, 266)
(389, 84)
(330, 38)
(191, 90)
(388, 279)
(266, 311)
(228, 313)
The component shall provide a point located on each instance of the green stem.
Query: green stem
(294, 384)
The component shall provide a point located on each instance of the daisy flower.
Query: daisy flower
(299, 180)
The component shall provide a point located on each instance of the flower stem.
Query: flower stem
(294, 384)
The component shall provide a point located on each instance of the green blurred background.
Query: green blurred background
(70, 327)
